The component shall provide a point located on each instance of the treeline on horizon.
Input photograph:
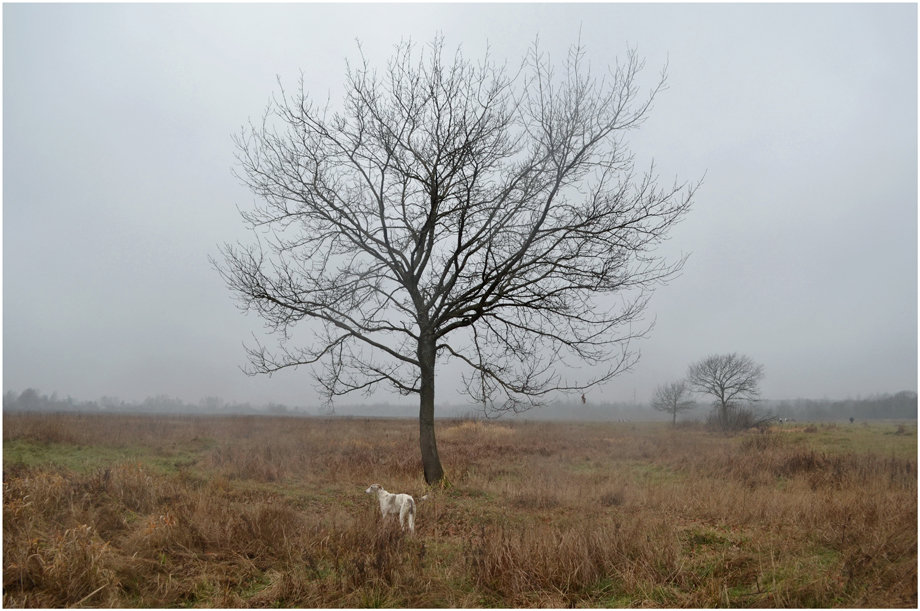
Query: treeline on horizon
(901, 405)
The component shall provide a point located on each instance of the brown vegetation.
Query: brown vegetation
(135, 511)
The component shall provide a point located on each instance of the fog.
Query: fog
(118, 184)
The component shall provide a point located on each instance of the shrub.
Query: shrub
(735, 419)
(70, 568)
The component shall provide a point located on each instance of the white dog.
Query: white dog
(403, 504)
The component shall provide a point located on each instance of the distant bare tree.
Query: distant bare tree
(453, 210)
(670, 398)
(731, 378)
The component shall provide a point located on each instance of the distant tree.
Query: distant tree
(672, 399)
(211, 404)
(111, 403)
(731, 379)
(276, 408)
(30, 400)
(453, 210)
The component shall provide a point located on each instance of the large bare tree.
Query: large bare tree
(731, 379)
(454, 210)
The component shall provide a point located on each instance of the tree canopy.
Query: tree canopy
(731, 379)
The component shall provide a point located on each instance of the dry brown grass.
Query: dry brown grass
(136, 511)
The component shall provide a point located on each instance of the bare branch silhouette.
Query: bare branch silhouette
(455, 210)
(730, 378)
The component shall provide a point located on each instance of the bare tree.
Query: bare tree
(454, 210)
(670, 398)
(731, 378)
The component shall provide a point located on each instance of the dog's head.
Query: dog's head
(374, 488)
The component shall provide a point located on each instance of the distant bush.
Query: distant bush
(735, 419)
(613, 498)
(761, 443)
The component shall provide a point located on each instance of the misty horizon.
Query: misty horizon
(900, 405)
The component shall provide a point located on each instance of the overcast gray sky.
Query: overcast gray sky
(117, 184)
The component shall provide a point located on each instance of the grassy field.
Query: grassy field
(134, 511)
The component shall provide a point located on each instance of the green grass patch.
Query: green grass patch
(705, 537)
(88, 458)
(77, 458)
(650, 473)
(885, 437)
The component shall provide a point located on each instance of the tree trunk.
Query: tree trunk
(431, 463)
